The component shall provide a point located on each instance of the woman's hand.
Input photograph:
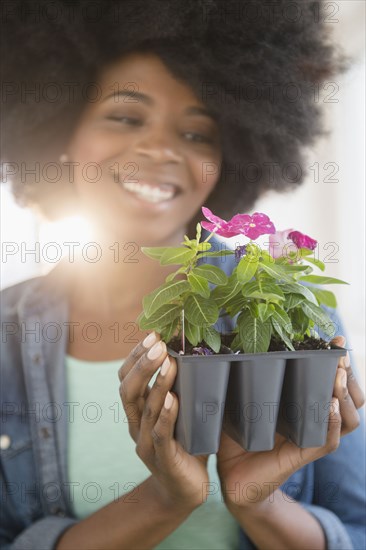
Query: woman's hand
(248, 478)
(179, 477)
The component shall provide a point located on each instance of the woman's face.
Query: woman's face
(156, 149)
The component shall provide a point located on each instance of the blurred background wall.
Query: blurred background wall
(330, 206)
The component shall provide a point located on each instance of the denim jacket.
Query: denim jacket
(35, 495)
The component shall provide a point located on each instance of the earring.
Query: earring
(63, 158)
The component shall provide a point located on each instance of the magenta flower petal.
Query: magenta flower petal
(224, 231)
(210, 216)
(264, 222)
(257, 225)
(240, 224)
(208, 225)
(240, 219)
(302, 241)
(220, 226)
(258, 217)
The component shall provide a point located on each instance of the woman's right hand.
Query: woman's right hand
(180, 479)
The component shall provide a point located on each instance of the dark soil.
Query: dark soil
(309, 343)
(176, 344)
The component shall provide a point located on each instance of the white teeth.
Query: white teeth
(152, 194)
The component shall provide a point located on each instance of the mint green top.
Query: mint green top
(103, 465)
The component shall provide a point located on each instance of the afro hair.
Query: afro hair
(255, 65)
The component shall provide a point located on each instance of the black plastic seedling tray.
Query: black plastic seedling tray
(252, 395)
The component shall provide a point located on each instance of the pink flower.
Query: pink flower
(302, 241)
(278, 243)
(240, 224)
(254, 226)
(220, 226)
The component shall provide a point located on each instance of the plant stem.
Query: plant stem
(210, 235)
(183, 334)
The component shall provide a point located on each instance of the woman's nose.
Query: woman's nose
(159, 147)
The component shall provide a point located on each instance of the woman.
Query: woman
(162, 135)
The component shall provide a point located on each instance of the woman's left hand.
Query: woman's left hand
(248, 478)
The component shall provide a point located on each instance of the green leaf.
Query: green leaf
(162, 317)
(317, 314)
(154, 252)
(217, 254)
(171, 276)
(175, 255)
(168, 331)
(305, 252)
(300, 323)
(325, 297)
(316, 262)
(297, 288)
(253, 308)
(211, 273)
(192, 332)
(266, 291)
(199, 284)
(200, 311)
(255, 251)
(282, 334)
(255, 336)
(268, 297)
(212, 337)
(141, 318)
(265, 311)
(236, 344)
(247, 268)
(204, 247)
(277, 272)
(222, 294)
(192, 243)
(236, 304)
(282, 318)
(290, 268)
(293, 300)
(164, 294)
(321, 280)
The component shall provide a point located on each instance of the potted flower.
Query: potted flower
(272, 356)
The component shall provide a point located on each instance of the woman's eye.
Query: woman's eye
(197, 138)
(130, 121)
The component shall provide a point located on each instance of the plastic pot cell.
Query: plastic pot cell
(306, 396)
(253, 398)
(200, 385)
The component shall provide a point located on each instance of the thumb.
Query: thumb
(339, 341)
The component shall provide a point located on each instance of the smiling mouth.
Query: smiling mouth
(152, 192)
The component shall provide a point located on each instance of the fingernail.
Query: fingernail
(346, 361)
(168, 401)
(155, 351)
(165, 366)
(149, 340)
